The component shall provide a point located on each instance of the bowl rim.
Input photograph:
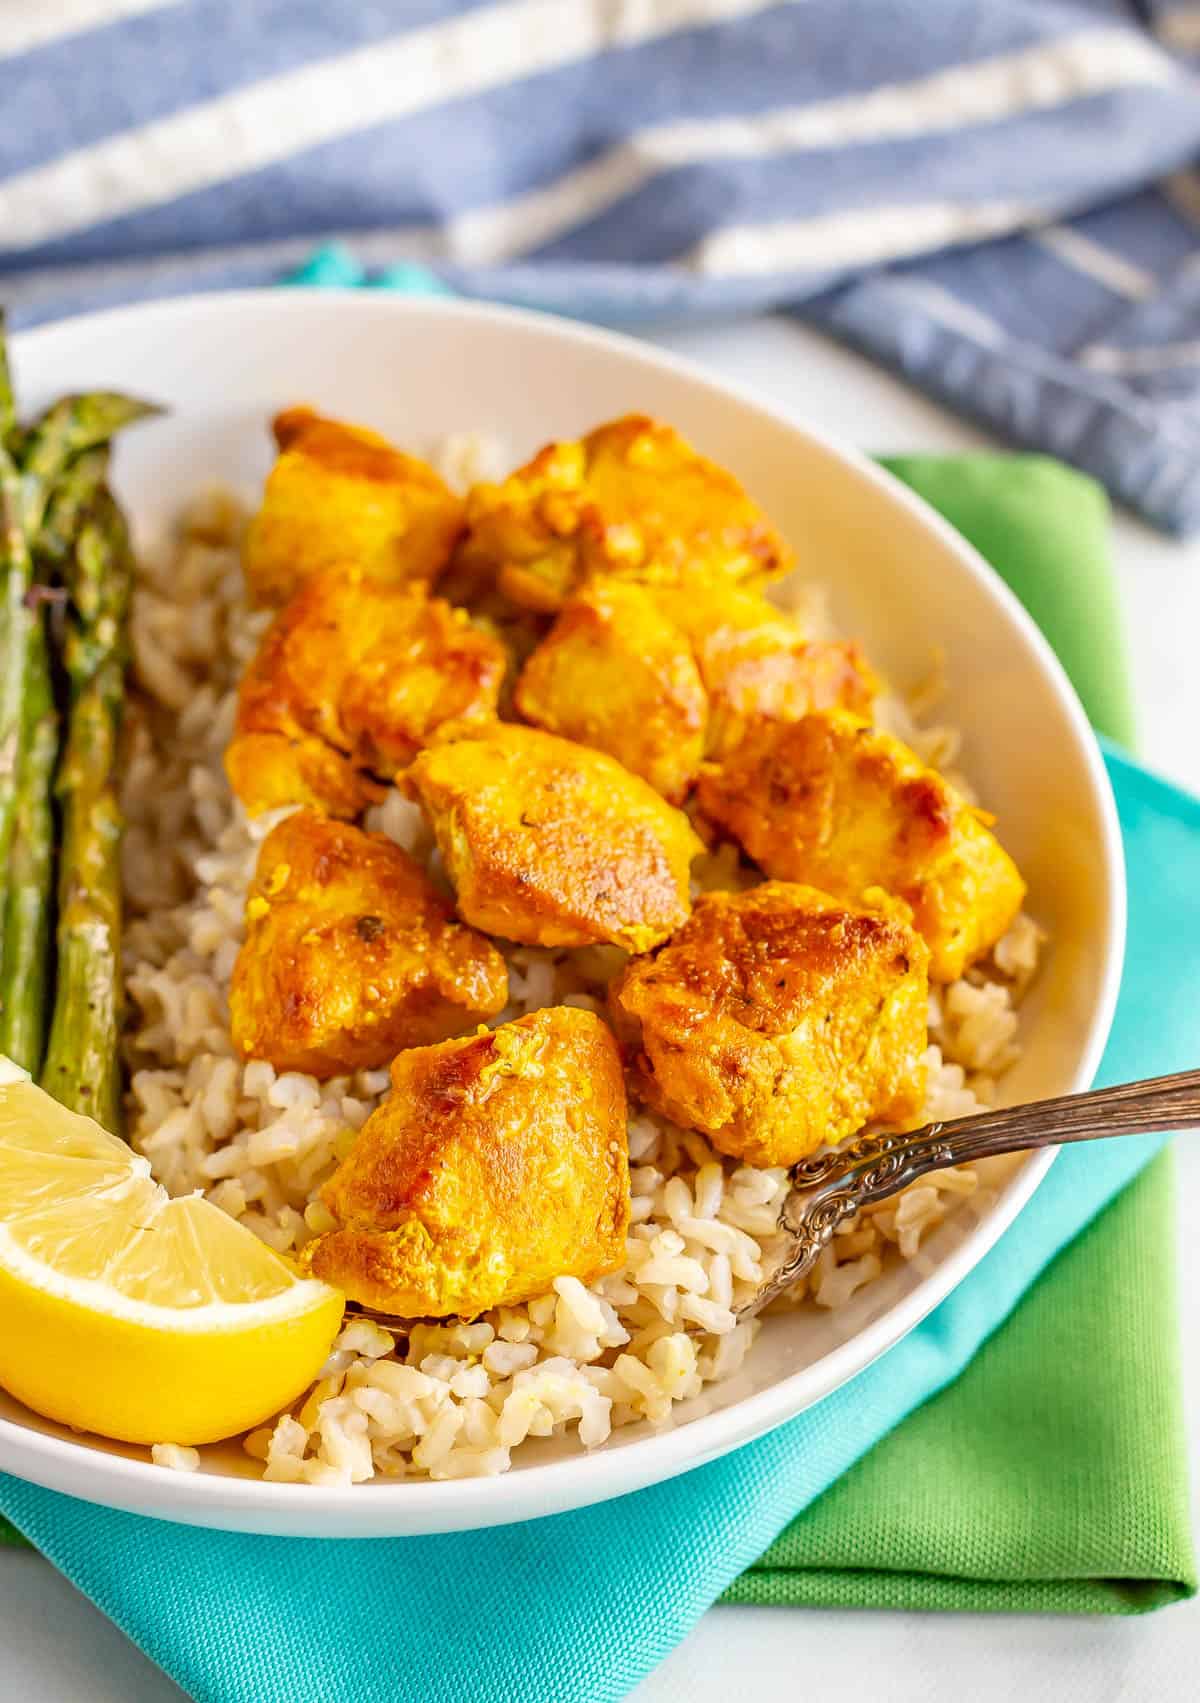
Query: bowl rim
(410, 1507)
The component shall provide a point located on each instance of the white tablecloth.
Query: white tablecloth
(55, 1648)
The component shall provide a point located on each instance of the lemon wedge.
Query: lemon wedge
(130, 1314)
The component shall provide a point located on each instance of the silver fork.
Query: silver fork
(831, 1187)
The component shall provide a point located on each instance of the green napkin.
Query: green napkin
(1051, 1475)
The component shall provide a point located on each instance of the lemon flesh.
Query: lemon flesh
(130, 1314)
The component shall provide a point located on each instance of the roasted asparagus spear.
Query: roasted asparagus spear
(17, 623)
(25, 972)
(25, 944)
(66, 431)
(82, 1068)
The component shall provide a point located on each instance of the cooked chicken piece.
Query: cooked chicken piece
(350, 954)
(616, 674)
(498, 1164)
(270, 770)
(655, 675)
(350, 681)
(755, 662)
(779, 1019)
(632, 499)
(550, 843)
(831, 801)
(339, 493)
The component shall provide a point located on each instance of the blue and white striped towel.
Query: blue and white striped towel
(994, 196)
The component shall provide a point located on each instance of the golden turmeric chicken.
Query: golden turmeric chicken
(659, 676)
(498, 1164)
(351, 954)
(778, 1020)
(553, 844)
(633, 499)
(755, 662)
(832, 801)
(340, 493)
(614, 673)
(350, 681)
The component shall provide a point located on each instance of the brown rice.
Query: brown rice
(456, 1399)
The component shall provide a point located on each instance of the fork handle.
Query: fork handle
(831, 1187)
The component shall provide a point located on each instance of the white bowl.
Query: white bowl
(900, 578)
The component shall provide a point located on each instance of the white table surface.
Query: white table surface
(56, 1648)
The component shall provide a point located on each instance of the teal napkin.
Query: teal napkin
(578, 1608)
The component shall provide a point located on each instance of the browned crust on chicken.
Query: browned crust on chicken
(498, 1164)
(779, 1019)
(552, 844)
(351, 954)
(631, 499)
(832, 801)
(351, 679)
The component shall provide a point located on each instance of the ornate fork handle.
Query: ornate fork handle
(831, 1187)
